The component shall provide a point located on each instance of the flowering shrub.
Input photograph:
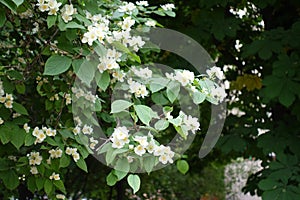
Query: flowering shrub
(53, 52)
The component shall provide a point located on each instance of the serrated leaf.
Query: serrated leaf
(182, 166)
(134, 182)
(56, 65)
(120, 105)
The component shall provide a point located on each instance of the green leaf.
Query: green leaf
(2, 17)
(60, 185)
(48, 186)
(82, 165)
(20, 88)
(87, 70)
(145, 113)
(122, 164)
(268, 184)
(149, 163)
(29, 140)
(119, 46)
(103, 80)
(286, 97)
(40, 182)
(18, 2)
(120, 105)
(64, 161)
(134, 182)
(157, 84)
(173, 89)
(182, 166)
(19, 108)
(161, 124)
(18, 138)
(51, 19)
(56, 65)
(10, 179)
(159, 98)
(111, 179)
(31, 184)
(10, 4)
(198, 97)
(120, 174)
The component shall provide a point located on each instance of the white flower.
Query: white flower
(60, 196)
(54, 176)
(119, 75)
(218, 93)
(127, 8)
(150, 23)
(53, 7)
(68, 99)
(168, 6)
(116, 143)
(35, 158)
(76, 130)
(43, 7)
(67, 12)
(121, 133)
(87, 130)
(55, 153)
(138, 89)
(8, 104)
(26, 128)
(127, 23)
(40, 137)
(151, 146)
(93, 143)
(142, 3)
(33, 170)
(184, 77)
(145, 73)
(139, 150)
(191, 123)
(76, 156)
(70, 151)
(50, 132)
(142, 140)
(1, 121)
(215, 72)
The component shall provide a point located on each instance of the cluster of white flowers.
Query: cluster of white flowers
(120, 137)
(127, 8)
(34, 158)
(218, 93)
(168, 7)
(109, 62)
(73, 152)
(143, 144)
(190, 123)
(54, 176)
(86, 129)
(42, 133)
(52, 6)
(54, 97)
(215, 72)
(55, 153)
(144, 73)
(1, 121)
(93, 143)
(78, 92)
(97, 31)
(142, 3)
(7, 100)
(135, 42)
(137, 89)
(67, 12)
(127, 23)
(184, 77)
